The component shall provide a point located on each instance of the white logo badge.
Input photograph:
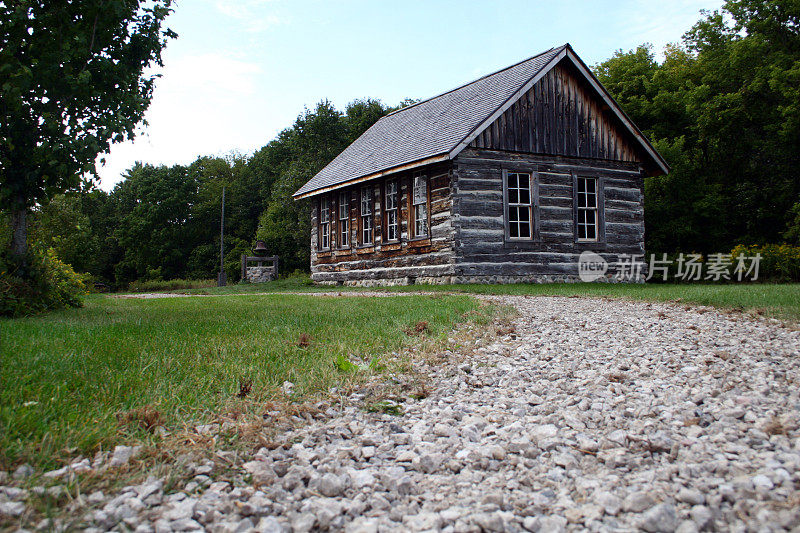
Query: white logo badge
(591, 266)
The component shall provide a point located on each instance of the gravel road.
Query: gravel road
(593, 414)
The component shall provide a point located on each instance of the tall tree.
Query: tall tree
(73, 81)
(724, 108)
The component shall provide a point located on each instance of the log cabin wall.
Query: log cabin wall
(485, 254)
(410, 259)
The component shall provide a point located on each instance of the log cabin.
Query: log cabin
(505, 179)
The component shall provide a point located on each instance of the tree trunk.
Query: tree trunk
(19, 235)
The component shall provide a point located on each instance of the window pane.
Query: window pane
(525, 196)
(420, 220)
(524, 181)
(513, 196)
(512, 181)
(591, 200)
(391, 226)
(366, 201)
(391, 195)
(513, 230)
(524, 230)
(513, 214)
(324, 211)
(420, 190)
(590, 217)
(524, 214)
(590, 185)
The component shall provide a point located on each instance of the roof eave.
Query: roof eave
(392, 170)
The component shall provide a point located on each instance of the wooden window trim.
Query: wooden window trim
(397, 208)
(348, 198)
(380, 215)
(321, 245)
(412, 215)
(600, 198)
(333, 216)
(534, 214)
(371, 215)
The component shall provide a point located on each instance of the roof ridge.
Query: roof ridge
(475, 80)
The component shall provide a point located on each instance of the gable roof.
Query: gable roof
(438, 129)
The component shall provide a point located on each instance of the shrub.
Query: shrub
(170, 285)
(44, 284)
(779, 262)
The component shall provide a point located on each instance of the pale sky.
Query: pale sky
(242, 70)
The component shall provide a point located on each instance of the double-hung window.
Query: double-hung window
(367, 203)
(519, 205)
(420, 206)
(344, 219)
(586, 208)
(324, 223)
(391, 205)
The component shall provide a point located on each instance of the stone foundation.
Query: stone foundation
(260, 274)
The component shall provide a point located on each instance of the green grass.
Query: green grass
(773, 300)
(65, 376)
(770, 299)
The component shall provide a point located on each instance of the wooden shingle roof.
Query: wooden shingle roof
(438, 128)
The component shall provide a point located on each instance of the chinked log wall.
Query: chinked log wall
(558, 130)
(428, 260)
(482, 252)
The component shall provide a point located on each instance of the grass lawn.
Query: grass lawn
(772, 300)
(769, 299)
(65, 376)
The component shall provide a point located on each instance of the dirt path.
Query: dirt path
(593, 414)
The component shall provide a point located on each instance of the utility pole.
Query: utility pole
(222, 278)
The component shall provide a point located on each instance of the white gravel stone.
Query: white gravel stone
(597, 415)
(691, 496)
(331, 485)
(269, 524)
(123, 454)
(11, 509)
(611, 504)
(636, 502)
(661, 518)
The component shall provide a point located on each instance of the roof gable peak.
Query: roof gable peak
(476, 80)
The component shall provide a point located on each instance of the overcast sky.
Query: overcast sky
(242, 70)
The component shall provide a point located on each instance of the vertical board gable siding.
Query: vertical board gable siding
(560, 115)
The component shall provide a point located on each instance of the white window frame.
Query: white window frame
(325, 223)
(419, 205)
(344, 219)
(587, 211)
(392, 209)
(515, 203)
(367, 206)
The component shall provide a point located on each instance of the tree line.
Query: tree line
(722, 107)
(162, 222)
